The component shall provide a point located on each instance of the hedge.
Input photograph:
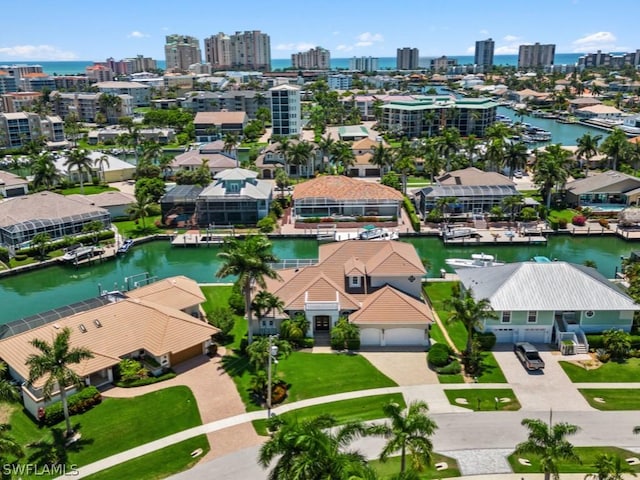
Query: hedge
(487, 340)
(596, 341)
(146, 380)
(439, 355)
(413, 217)
(79, 402)
(452, 369)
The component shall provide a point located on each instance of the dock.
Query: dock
(197, 239)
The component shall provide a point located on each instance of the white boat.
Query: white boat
(477, 260)
(80, 253)
(124, 248)
(371, 234)
(459, 232)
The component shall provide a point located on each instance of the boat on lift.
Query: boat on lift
(477, 260)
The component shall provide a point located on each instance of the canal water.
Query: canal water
(41, 290)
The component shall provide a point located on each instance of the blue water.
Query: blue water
(384, 63)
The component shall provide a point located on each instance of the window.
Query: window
(506, 317)
(589, 313)
(532, 317)
(355, 281)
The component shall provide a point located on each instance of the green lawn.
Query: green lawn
(88, 190)
(608, 372)
(311, 375)
(614, 398)
(352, 410)
(587, 455)
(132, 421)
(491, 372)
(565, 214)
(484, 399)
(438, 293)
(131, 229)
(218, 296)
(458, 378)
(159, 464)
(391, 467)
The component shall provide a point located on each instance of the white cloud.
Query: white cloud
(484, 31)
(335, 33)
(137, 34)
(36, 52)
(365, 39)
(510, 38)
(605, 41)
(471, 49)
(344, 48)
(294, 47)
(510, 47)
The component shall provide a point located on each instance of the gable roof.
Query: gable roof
(220, 118)
(177, 292)
(549, 286)
(610, 181)
(341, 187)
(365, 144)
(193, 158)
(390, 306)
(106, 199)
(473, 176)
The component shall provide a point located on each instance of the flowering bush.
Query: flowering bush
(579, 220)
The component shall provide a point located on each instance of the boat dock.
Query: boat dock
(197, 239)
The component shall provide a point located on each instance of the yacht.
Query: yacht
(459, 232)
(477, 260)
(81, 253)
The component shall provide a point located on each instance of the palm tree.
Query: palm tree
(616, 148)
(53, 363)
(404, 162)
(429, 119)
(494, 154)
(610, 467)
(325, 144)
(498, 131)
(448, 144)
(550, 170)
(99, 163)
(151, 151)
(587, 148)
(433, 161)
(284, 149)
(250, 260)
(470, 312)
(548, 442)
(408, 432)
(79, 159)
(141, 209)
(230, 144)
(265, 302)
(343, 156)
(313, 449)
(44, 171)
(8, 445)
(511, 203)
(471, 146)
(301, 153)
(8, 392)
(515, 157)
(381, 158)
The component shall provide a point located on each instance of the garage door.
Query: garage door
(535, 335)
(371, 172)
(403, 336)
(186, 354)
(370, 337)
(503, 335)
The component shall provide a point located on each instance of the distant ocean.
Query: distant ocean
(384, 63)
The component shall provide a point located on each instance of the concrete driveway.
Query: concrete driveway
(541, 390)
(404, 368)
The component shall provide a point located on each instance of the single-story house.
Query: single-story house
(111, 134)
(115, 202)
(475, 191)
(582, 102)
(605, 191)
(193, 160)
(340, 196)
(376, 285)
(214, 125)
(12, 185)
(112, 170)
(599, 111)
(548, 302)
(159, 321)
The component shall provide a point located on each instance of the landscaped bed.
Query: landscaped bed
(391, 467)
(502, 399)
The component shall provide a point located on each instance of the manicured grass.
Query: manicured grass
(614, 398)
(391, 467)
(311, 375)
(587, 455)
(218, 296)
(352, 410)
(565, 214)
(486, 399)
(608, 372)
(88, 190)
(438, 293)
(491, 371)
(130, 421)
(131, 229)
(458, 378)
(159, 464)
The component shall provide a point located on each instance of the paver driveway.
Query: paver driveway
(404, 368)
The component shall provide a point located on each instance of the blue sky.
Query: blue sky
(74, 30)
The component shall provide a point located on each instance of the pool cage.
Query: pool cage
(468, 198)
(325, 207)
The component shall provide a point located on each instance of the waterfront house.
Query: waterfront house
(602, 112)
(549, 302)
(607, 191)
(159, 324)
(113, 170)
(376, 285)
(115, 202)
(12, 185)
(191, 160)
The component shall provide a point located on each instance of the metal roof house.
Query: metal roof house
(549, 302)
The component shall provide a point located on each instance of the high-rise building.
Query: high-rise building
(314, 59)
(180, 51)
(285, 110)
(407, 59)
(442, 64)
(536, 56)
(484, 53)
(249, 50)
(364, 64)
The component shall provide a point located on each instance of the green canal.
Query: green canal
(40, 290)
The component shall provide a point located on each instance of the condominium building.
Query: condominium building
(247, 101)
(180, 51)
(407, 59)
(87, 105)
(36, 82)
(99, 73)
(363, 64)
(8, 82)
(442, 64)
(340, 81)
(536, 55)
(600, 59)
(249, 50)
(141, 94)
(484, 53)
(286, 114)
(18, 129)
(314, 59)
(18, 101)
(77, 83)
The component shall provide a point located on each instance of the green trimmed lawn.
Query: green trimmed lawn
(391, 467)
(353, 410)
(159, 464)
(88, 190)
(132, 421)
(491, 371)
(457, 378)
(614, 398)
(587, 455)
(565, 214)
(131, 229)
(438, 293)
(484, 399)
(218, 296)
(608, 372)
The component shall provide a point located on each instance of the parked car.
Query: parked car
(528, 355)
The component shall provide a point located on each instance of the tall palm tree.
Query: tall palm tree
(548, 442)
(301, 153)
(408, 431)
(8, 445)
(470, 145)
(284, 149)
(151, 151)
(343, 156)
(610, 467)
(494, 154)
(404, 162)
(265, 302)
(515, 157)
(511, 203)
(325, 145)
(587, 148)
(79, 159)
(433, 161)
(100, 163)
(381, 158)
(230, 144)
(53, 362)
(250, 260)
(550, 170)
(498, 131)
(449, 144)
(44, 171)
(616, 148)
(8, 392)
(141, 209)
(313, 449)
(470, 312)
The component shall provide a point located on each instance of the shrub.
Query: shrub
(353, 344)
(222, 317)
(266, 224)
(278, 394)
(604, 223)
(4, 255)
(276, 209)
(131, 370)
(415, 221)
(579, 220)
(306, 342)
(79, 402)
(147, 380)
(562, 223)
(452, 369)
(487, 340)
(596, 341)
(20, 257)
(236, 300)
(439, 355)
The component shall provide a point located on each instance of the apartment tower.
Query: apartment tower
(364, 64)
(484, 53)
(180, 51)
(315, 59)
(536, 56)
(407, 59)
(285, 110)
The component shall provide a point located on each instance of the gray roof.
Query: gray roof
(606, 182)
(259, 190)
(463, 191)
(526, 286)
(236, 174)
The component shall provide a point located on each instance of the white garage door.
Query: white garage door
(535, 335)
(370, 337)
(503, 334)
(403, 336)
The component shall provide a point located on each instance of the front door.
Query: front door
(321, 323)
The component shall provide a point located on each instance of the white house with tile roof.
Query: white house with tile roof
(376, 285)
